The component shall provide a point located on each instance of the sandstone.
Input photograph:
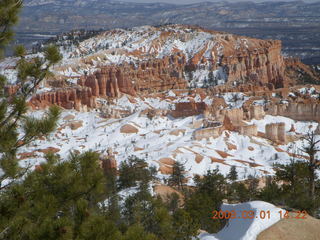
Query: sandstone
(248, 130)
(223, 154)
(49, 150)
(69, 98)
(164, 169)
(197, 123)
(186, 109)
(177, 132)
(69, 117)
(257, 112)
(218, 160)
(167, 161)
(297, 111)
(26, 155)
(231, 146)
(206, 133)
(227, 124)
(198, 158)
(38, 168)
(250, 148)
(76, 124)
(128, 129)
(276, 132)
(137, 149)
(108, 161)
(166, 191)
(292, 129)
(235, 115)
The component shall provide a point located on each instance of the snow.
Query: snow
(155, 140)
(246, 229)
(235, 99)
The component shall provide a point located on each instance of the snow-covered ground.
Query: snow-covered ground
(162, 137)
(243, 228)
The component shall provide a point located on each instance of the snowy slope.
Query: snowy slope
(165, 137)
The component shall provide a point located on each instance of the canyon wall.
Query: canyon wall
(296, 111)
(276, 132)
(77, 98)
(260, 62)
(145, 77)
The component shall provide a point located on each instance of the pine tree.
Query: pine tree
(59, 200)
(312, 148)
(9, 10)
(185, 228)
(233, 175)
(271, 192)
(177, 177)
(253, 186)
(137, 232)
(210, 190)
(173, 202)
(295, 191)
(134, 171)
(13, 106)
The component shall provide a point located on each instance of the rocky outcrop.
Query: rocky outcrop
(206, 133)
(296, 111)
(248, 130)
(276, 132)
(108, 161)
(71, 98)
(257, 112)
(260, 62)
(235, 115)
(161, 67)
(186, 109)
(128, 129)
(301, 73)
(154, 75)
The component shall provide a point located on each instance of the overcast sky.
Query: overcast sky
(197, 1)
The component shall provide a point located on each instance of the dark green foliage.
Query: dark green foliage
(238, 192)
(13, 106)
(137, 232)
(210, 190)
(150, 213)
(134, 170)
(200, 206)
(271, 192)
(232, 175)
(184, 226)
(13, 109)
(295, 191)
(177, 177)
(173, 202)
(9, 10)
(98, 228)
(54, 201)
(253, 183)
(52, 55)
(20, 51)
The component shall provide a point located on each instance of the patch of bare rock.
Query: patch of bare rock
(293, 229)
